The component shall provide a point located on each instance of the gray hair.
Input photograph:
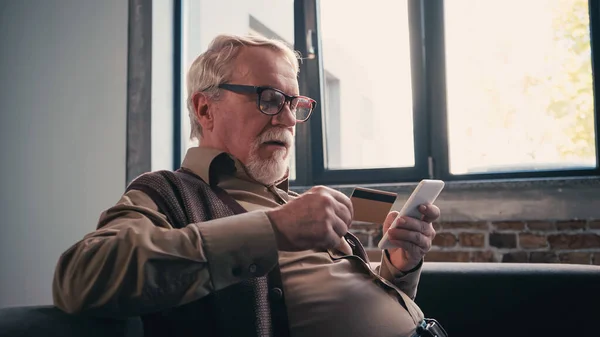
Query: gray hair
(215, 67)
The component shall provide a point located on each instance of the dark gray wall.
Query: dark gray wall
(63, 85)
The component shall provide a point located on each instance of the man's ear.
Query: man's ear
(203, 111)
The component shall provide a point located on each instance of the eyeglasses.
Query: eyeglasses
(270, 101)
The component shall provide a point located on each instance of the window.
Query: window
(372, 86)
(455, 90)
(407, 90)
(523, 100)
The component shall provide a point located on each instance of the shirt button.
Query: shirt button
(277, 293)
(252, 269)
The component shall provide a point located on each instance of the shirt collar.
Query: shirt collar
(209, 164)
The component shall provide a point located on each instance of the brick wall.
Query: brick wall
(506, 220)
(576, 242)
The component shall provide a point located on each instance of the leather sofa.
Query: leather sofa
(468, 299)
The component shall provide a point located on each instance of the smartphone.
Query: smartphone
(425, 193)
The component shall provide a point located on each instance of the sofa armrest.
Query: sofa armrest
(504, 299)
(49, 321)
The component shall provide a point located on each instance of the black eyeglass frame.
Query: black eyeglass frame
(251, 89)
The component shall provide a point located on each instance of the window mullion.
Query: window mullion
(435, 82)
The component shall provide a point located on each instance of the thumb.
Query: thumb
(389, 220)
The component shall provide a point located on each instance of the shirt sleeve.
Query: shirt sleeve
(407, 282)
(135, 262)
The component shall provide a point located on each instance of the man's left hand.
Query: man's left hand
(413, 237)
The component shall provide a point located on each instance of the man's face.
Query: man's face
(260, 141)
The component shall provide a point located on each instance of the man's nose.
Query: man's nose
(284, 117)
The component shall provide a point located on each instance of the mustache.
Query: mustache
(278, 135)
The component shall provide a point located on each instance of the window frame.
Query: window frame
(430, 118)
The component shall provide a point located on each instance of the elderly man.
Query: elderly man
(221, 247)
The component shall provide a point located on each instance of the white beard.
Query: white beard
(269, 171)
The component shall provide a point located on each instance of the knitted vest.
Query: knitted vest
(248, 308)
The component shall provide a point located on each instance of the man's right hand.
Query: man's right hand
(318, 218)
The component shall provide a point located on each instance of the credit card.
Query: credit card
(371, 205)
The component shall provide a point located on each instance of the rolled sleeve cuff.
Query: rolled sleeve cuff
(238, 247)
(405, 281)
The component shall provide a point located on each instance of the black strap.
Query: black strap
(429, 327)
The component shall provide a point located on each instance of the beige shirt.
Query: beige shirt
(327, 292)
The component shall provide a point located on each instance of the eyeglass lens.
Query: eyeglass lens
(271, 102)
